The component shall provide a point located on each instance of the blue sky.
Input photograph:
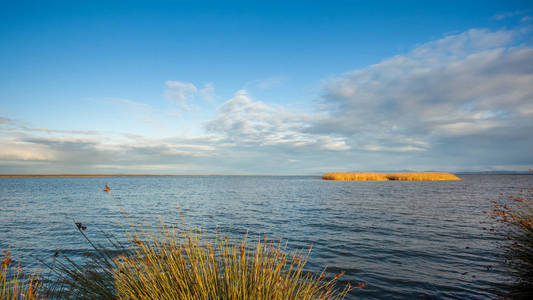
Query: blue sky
(265, 88)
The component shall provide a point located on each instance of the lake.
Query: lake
(405, 239)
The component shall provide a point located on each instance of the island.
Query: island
(374, 176)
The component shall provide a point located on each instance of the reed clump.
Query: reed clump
(374, 176)
(191, 266)
(15, 284)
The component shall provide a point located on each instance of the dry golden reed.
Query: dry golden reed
(15, 285)
(371, 176)
(191, 266)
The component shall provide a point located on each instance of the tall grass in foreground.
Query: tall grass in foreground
(515, 213)
(189, 266)
(182, 263)
(16, 285)
(371, 176)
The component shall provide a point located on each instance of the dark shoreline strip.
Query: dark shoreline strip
(129, 175)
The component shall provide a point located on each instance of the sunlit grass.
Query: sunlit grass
(371, 176)
(16, 285)
(190, 265)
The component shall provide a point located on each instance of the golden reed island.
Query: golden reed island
(371, 176)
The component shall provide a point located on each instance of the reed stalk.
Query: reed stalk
(17, 285)
(515, 213)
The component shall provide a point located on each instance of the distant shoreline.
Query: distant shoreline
(131, 175)
(212, 175)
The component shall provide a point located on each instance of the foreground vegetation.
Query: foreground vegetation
(192, 267)
(371, 176)
(515, 213)
(14, 284)
(176, 263)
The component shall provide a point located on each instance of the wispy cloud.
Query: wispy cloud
(6, 120)
(83, 151)
(16, 150)
(184, 94)
(208, 92)
(510, 14)
(181, 93)
(266, 83)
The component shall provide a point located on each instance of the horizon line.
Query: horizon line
(141, 175)
(503, 172)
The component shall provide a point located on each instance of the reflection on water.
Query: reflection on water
(405, 239)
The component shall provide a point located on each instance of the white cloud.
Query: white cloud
(6, 121)
(208, 92)
(509, 14)
(241, 120)
(24, 149)
(473, 83)
(14, 150)
(181, 93)
(335, 144)
(392, 149)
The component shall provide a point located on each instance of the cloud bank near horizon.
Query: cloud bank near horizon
(463, 102)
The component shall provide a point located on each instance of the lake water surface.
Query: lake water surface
(405, 239)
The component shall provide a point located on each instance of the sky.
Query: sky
(249, 87)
